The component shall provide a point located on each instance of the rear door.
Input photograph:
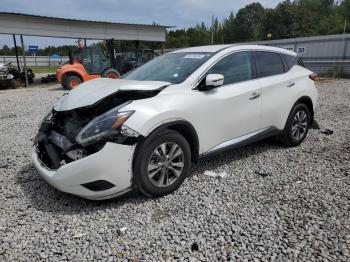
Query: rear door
(277, 84)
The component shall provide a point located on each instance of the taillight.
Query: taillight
(313, 77)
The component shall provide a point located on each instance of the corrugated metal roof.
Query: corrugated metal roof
(83, 20)
(35, 25)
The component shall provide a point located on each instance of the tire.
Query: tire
(71, 81)
(296, 130)
(110, 73)
(149, 168)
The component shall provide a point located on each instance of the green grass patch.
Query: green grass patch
(43, 69)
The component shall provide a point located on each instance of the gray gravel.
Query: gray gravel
(275, 203)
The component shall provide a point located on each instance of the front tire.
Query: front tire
(297, 126)
(162, 163)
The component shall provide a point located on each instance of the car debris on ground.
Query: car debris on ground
(214, 174)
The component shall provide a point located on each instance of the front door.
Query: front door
(234, 109)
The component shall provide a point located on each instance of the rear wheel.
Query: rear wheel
(111, 73)
(162, 163)
(71, 81)
(297, 126)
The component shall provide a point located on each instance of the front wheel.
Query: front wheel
(297, 126)
(162, 163)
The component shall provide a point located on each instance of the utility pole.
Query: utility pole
(212, 29)
(16, 51)
(24, 61)
(344, 30)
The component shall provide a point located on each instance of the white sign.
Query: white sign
(289, 47)
(301, 50)
(194, 56)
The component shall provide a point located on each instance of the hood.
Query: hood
(90, 92)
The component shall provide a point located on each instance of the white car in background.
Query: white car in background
(143, 131)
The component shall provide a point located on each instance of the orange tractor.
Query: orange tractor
(88, 63)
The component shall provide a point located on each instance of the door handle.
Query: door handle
(255, 95)
(291, 84)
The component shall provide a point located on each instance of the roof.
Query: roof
(217, 48)
(204, 48)
(36, 25)
(82, 20)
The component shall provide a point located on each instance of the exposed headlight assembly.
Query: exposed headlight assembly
(104, 126)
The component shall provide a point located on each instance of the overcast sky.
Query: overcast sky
(179, 13)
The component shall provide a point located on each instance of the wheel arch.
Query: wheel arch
(308, 102)
(187, 130)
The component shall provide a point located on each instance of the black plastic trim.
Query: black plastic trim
(270, 132)
(172, 125)
(98, 185)
(53, 155)
(309, 100)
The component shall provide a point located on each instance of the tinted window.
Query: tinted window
(290, 61)
(300, 62)
(268, 64)
(235, 68)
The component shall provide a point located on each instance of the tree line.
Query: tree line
(289, 19)
(49, 50)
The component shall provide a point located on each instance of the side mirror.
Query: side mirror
(211, 81)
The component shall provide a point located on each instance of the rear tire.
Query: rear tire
(71, 81)
(162, 163)
(110, 73)
(297, 126)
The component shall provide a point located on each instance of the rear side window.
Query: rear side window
(268, 63)
(289, 61)
(300, 62)
(235, 68)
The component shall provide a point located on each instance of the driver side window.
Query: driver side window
(235, 68)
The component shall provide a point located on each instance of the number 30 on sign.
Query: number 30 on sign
(301, 50)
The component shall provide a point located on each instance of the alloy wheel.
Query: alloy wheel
(299, 125)
(166, 164)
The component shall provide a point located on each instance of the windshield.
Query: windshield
(130, 56)
(172, 68)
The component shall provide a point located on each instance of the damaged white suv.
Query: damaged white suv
(108, 137)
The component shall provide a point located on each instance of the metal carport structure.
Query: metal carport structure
(35, 25)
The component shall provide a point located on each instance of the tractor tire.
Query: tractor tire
(71, 81)
(110, 73)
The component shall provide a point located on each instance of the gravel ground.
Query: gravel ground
(275, 203)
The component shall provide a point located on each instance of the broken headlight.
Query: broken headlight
(104, 126)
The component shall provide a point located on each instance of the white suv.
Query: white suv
(143, 131)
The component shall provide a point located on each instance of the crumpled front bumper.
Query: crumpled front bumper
(113, 163)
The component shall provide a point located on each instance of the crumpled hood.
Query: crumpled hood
(90, 92)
